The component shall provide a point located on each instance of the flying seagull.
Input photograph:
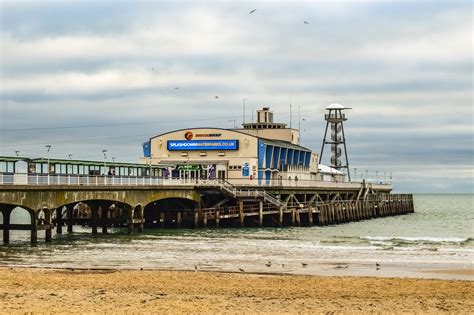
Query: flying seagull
(176, 88)
(241, 270)
(195, 267)
(216, 97)
(252, 11)
(306, 22)
(304, 264)
(268, 264)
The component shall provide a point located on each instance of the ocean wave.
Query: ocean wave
(410, 240)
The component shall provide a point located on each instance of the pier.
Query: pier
(134, 203)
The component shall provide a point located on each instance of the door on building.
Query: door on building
(221, 175)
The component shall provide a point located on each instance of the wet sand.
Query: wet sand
(109, 291)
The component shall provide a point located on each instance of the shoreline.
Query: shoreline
(335, 269)
(106, 290)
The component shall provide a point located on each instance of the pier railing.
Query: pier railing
(102, 180)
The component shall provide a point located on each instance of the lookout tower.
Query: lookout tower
(335, 117)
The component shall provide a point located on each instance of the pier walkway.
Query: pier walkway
(138, 202)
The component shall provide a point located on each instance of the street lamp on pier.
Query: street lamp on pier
(355, 173)
(105, 158)
(16, 152)
(70, 156)
(48, 147)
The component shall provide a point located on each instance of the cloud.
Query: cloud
(405, 68)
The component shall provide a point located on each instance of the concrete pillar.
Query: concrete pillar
(204, 219)
(104, 221)
(48, 225)
(178, 219)
(59, 220)
(218, 219)
(310, 215)
(241, 212)
(139, 213)
(141, 225)
(95, 218)
(162, 219)
(130, 221)
(280, 217)
(260, 213)
(297, 217)
(6, 225)
(70, 219)
(34, 228)
(196, 219)
(293, 215)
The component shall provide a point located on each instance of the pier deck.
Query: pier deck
(103, 202)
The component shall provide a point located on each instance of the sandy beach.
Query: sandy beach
(111, 291)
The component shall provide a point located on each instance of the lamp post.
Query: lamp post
(105, 158)
(70, 156)
(151, 156)
(16, 152)
(355, 173)
(244, 109)
(48, 147)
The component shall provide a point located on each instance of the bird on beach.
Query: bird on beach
(304, 265)
(252, 11)
(241, 270)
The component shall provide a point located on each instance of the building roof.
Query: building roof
(337, 106)
(13, 158)
(90, 163)
(328, 170)
(282, 143)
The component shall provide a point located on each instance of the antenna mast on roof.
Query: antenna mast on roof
(299, 118)
(291, 113)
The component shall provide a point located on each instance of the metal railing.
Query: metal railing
(228, 186)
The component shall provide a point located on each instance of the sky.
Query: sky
(87, 76)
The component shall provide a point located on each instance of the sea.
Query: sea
(437, 241)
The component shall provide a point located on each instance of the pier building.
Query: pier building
(258, 175)
(263, 153)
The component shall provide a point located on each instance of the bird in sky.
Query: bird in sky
(216, 97)
(195, 267)
(176, 88)
(268, 264)
(241, 270)
(306, 22)
(304, 264)
(252, 11)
